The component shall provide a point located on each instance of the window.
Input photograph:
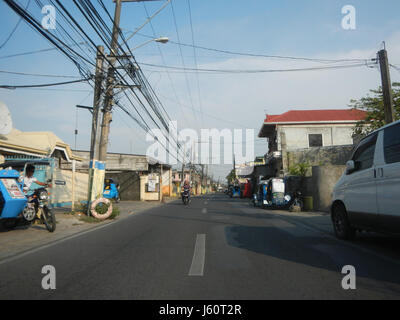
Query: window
(315, 140)
(391, 144)
(364, 155)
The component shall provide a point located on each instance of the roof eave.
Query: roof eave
(312, 122)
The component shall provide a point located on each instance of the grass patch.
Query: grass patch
(82, 209)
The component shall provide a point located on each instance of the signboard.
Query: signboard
(12, 187)
(152, 185)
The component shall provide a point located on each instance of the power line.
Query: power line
(42, 85)
(195, 61)
(269, 56)
(35, 51)
(38, 75)
(241, 71)
(182, 59)
(15, 28)
(164, 63)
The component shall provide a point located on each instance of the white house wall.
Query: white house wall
(296, 136)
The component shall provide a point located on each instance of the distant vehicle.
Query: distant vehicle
(270, 194)
(260, 196)
(367, 196)
(185, 195)
(235, 192)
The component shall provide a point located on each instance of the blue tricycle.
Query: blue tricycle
(111, 190)
(12, 199)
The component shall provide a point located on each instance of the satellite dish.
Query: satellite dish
(5, 119)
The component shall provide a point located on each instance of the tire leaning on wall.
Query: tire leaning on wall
(98, 215)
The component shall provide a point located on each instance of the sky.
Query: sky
(296, 28)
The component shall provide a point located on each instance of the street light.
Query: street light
(160, 40)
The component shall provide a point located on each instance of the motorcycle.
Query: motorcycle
(296, 203)
(37, 209)
(185, 197)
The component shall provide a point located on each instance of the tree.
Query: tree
(374, 107)
(231, 177)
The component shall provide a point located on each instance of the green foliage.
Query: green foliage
(374, 107)
(299, 169)
(231, 177)
(100, 208)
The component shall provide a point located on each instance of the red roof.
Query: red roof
(317, 116)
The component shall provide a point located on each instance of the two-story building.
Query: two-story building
(304, 129)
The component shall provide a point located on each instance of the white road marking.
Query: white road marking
(197, 267)
(204, 210)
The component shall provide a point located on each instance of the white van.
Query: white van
(367, 196)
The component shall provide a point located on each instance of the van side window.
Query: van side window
(391, 144)
(364, 155)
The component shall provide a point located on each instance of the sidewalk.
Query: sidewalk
(25, 238)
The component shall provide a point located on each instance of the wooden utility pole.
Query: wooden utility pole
(386, 86)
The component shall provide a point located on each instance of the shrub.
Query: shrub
(299, 169)
(82, 208)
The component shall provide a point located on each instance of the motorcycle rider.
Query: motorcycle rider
(28, 179)
(186, 188)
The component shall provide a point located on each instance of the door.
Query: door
(388, 180)
(360, 194)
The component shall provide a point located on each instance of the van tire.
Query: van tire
(343, 229)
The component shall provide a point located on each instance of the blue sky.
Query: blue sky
(307, 28)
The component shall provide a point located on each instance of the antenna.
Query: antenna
(5, 119)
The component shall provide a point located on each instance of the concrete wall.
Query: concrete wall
(167, 182)
(292, 137)
(148, 196)
(325, 178)
(336, 155)
(320, 185)
(115, 161)
(62, 194)
(327, 165)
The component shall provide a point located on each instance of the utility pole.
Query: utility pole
(96, 102)
(160, 182)
(202, 178)
(95, 121)
(183, 164)
(386, 86)
(234, 168)
(108, 102)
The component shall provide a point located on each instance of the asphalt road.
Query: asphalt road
(215, 248)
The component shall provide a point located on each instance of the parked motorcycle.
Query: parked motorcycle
(38, 209)
(296, 202)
